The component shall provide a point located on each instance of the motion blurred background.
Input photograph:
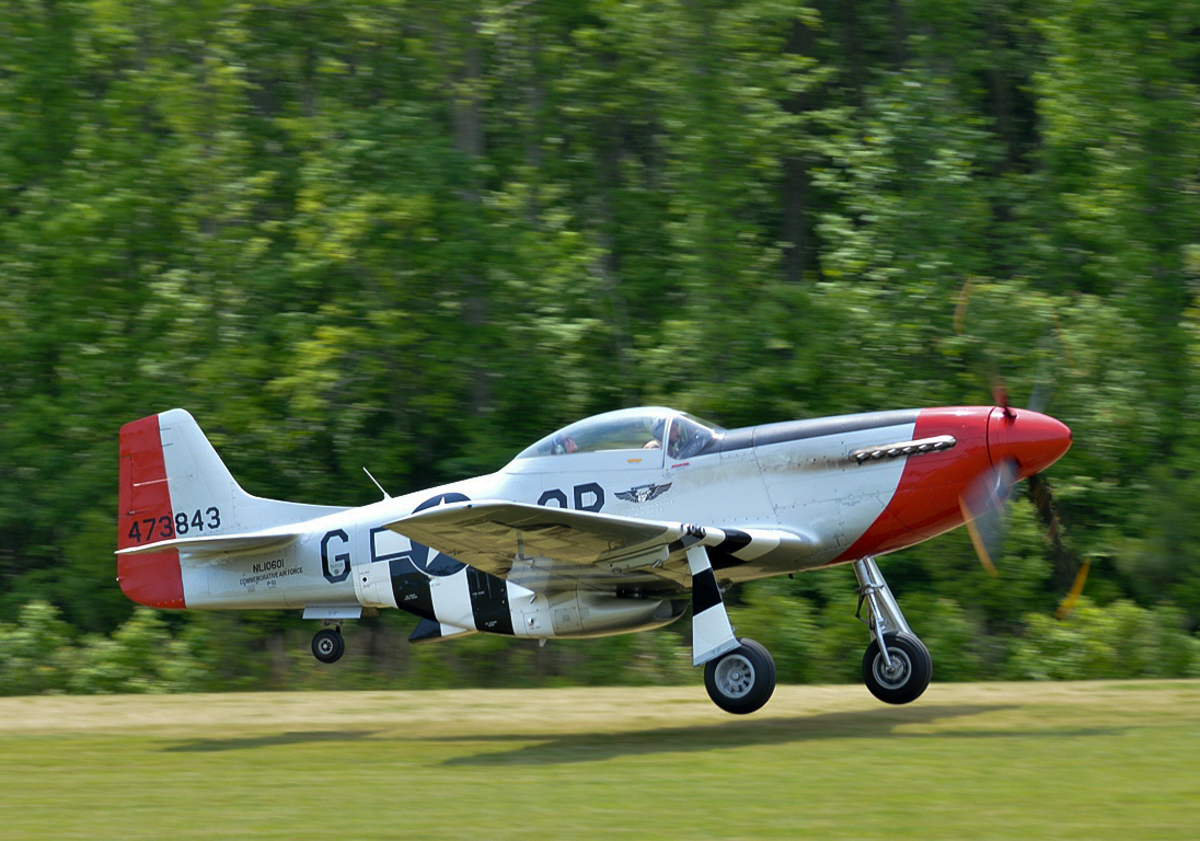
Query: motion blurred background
(418, 235)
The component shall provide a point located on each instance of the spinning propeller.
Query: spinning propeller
(1020, 442)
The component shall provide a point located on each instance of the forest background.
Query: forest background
(419, 235)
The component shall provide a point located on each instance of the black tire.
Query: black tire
(328, 645)
(912, 667)
(742, 680)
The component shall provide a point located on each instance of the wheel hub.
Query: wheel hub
(897, 673)
(735, 676)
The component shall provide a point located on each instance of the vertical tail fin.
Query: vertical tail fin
(173, 485)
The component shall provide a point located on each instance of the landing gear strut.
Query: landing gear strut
(739, 674)
(328, 645)
(896, 666)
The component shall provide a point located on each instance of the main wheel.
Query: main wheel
(909, 674)
(328, 645)
(741, 680)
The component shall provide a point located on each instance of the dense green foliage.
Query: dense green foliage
(417, 235)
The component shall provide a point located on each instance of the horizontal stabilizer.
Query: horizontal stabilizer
(259, 541)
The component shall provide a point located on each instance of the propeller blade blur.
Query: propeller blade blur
(984, 509)
(1064, 559)
(1068, 603)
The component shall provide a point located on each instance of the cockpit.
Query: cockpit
(646, 428)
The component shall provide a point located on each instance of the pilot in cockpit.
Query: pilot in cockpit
(564, 444)
(682, 440)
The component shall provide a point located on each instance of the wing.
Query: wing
(547, 549)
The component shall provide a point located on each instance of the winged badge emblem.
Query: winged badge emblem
(644, 493)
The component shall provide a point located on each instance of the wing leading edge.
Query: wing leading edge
(549, 549)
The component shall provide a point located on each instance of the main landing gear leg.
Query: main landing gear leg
(738, 674)
(896, 665)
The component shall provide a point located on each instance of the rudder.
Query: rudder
(145, 515)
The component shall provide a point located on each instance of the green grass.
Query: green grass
(966, 761)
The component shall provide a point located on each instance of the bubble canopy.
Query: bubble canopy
(643, 428)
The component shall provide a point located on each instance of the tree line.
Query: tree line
(419, 235)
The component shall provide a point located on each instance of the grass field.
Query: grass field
(967, 761)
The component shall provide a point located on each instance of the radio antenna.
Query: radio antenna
(386, 495)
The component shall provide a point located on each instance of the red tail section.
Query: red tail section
(145, 516)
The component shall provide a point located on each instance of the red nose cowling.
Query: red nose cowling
(1033, 440)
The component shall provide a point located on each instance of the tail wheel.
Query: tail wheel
(907, 676)
(328, 645)
(742, 680)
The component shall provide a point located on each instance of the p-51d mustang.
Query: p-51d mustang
(613, 524)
